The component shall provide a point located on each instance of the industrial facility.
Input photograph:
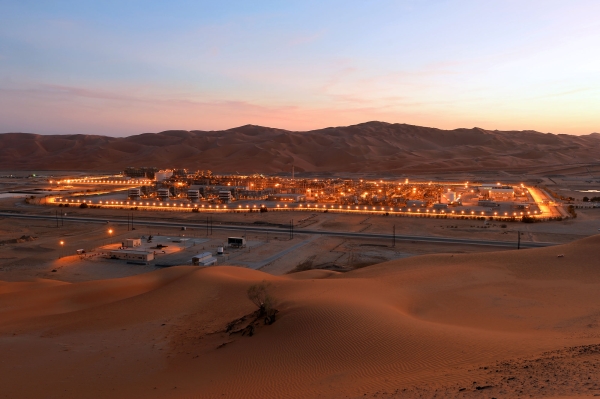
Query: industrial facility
(180, 189)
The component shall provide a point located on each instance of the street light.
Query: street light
(62, 243)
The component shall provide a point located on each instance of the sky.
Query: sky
(127, 67)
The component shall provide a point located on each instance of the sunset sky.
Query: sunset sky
(128, 67)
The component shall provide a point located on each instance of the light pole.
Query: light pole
(110, 231)
(62, 243)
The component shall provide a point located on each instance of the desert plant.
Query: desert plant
(259, 296)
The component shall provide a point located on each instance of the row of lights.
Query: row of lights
(69, 181)
(418, 210)
(140, 203)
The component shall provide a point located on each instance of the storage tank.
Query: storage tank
(219, 250)
(163, 175)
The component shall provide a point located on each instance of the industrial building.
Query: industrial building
(504, 192)
(132, 243)
(132, 254)
(498, 192)
(193, 195)
(134, 193)
(236, 242)
(163, 194)
(225, 196)
(204, 259)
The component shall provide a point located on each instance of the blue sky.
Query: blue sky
(120, 68)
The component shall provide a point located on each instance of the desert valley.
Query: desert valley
(367, 297)
(299, 199)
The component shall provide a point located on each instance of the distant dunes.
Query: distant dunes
(368, 147)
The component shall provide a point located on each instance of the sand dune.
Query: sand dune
(363, 148)
(416, 327)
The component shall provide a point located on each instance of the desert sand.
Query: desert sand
(372, 147)
(492, 324)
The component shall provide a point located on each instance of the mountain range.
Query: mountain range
(372, 147)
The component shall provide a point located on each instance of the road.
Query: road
(539, 196)
(387, 237)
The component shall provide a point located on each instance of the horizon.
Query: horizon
(295, 131)
(119, 70)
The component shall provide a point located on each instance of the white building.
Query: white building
(133, 242)
(225, 196)
(132, 254)
(134, 193)
(193, 195)
(163, 194)
(204, 259)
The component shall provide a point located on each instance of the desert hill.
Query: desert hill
(508, 324)
(368, 147)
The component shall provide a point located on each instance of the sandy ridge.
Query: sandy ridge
(363, 148)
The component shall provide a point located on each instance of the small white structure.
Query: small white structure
(225, 196)
(204, 259)
(134, 193)
(133, 242)
(131, 254)
(193, 195)
(163, 194)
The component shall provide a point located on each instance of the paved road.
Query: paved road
(387, 237)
